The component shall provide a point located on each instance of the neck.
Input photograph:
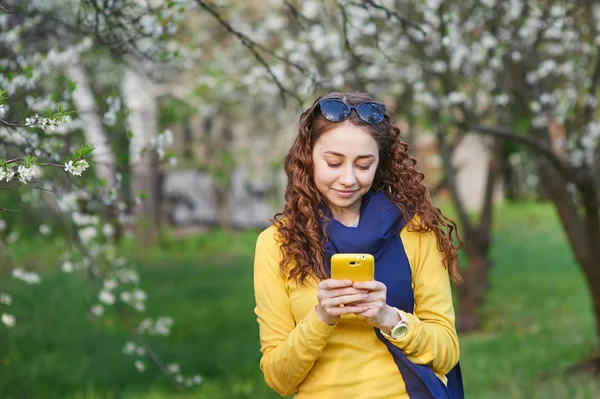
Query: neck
(347, 216)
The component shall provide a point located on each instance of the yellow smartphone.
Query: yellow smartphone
(354, 267)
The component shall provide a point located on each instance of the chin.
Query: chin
(335, 200)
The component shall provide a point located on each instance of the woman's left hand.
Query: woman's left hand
(379, 314)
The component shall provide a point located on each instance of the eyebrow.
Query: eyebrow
(343, 156)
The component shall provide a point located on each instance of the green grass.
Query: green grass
(537, 321)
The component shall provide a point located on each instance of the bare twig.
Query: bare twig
(391, 14)
(140, 341)
(570, 173)
(5, 10)
(8, 210)
(253, 47)
(7, 123)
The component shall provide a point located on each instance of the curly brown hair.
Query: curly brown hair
(302, 236)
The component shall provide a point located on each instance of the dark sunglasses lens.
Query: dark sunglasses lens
(334, 110)
(371, 112)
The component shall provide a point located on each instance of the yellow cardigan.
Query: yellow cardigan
(301, 354)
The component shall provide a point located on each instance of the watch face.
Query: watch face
(400, 331)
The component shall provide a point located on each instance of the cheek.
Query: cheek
(324, 174)
(366, 178)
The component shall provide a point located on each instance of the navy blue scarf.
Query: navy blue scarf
(378, 233)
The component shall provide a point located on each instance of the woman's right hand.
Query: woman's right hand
(332, 294)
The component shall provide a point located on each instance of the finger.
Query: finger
(345, 291)
(338, 311)
(331, 284)
(369, 285)
(338, 292)
(343, 300)
(367, 312)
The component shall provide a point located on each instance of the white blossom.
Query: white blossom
(97, 310)
(139, 294)
(110, 284)
(67, 267)
(76, 168)
(28, 277)
(173, 368)
(12, 237)
(140, 366)
(108, 230)
(457, 98)
(2, 223)
(5, 298)
(7, 174)
(87, 234)
(163, 326)
(8, 320)
(106, 297)
(45, 229)
(126, 297)
(129, 348)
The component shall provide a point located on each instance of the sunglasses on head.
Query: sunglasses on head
(337, 110)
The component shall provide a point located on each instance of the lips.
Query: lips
(345, 193)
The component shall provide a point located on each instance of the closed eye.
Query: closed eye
(334, 165)
(364, 167)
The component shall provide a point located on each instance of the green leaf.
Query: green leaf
(29, 161)
(10, 165)
(129, 134)
(71, 85)
(28, 71)
(143, 195)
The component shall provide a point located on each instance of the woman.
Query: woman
(353, 188)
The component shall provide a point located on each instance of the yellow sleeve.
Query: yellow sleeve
(288, 350)
(431, 338)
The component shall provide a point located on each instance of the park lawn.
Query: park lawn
(537, 322)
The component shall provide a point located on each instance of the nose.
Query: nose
(348, 179)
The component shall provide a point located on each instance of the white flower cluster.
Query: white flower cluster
(162, 326)
(28, 277)
(5, 299)
(2, 110)
(136, 298)
(76, 168)
(164, 139)
(43, 123)
(8, 320)
(131, 348)
(6, 174)
(114, 106)
(25, 174)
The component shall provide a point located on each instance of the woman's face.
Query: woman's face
(345, 160)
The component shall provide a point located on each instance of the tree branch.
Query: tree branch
(5, 10)
(252, 46)
(570, 173)
(391, 14)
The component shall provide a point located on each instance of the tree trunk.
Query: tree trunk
(582, 231)
(471, 292)
(105, 164)
(139, 97)
(89, 113)
(478, 239)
